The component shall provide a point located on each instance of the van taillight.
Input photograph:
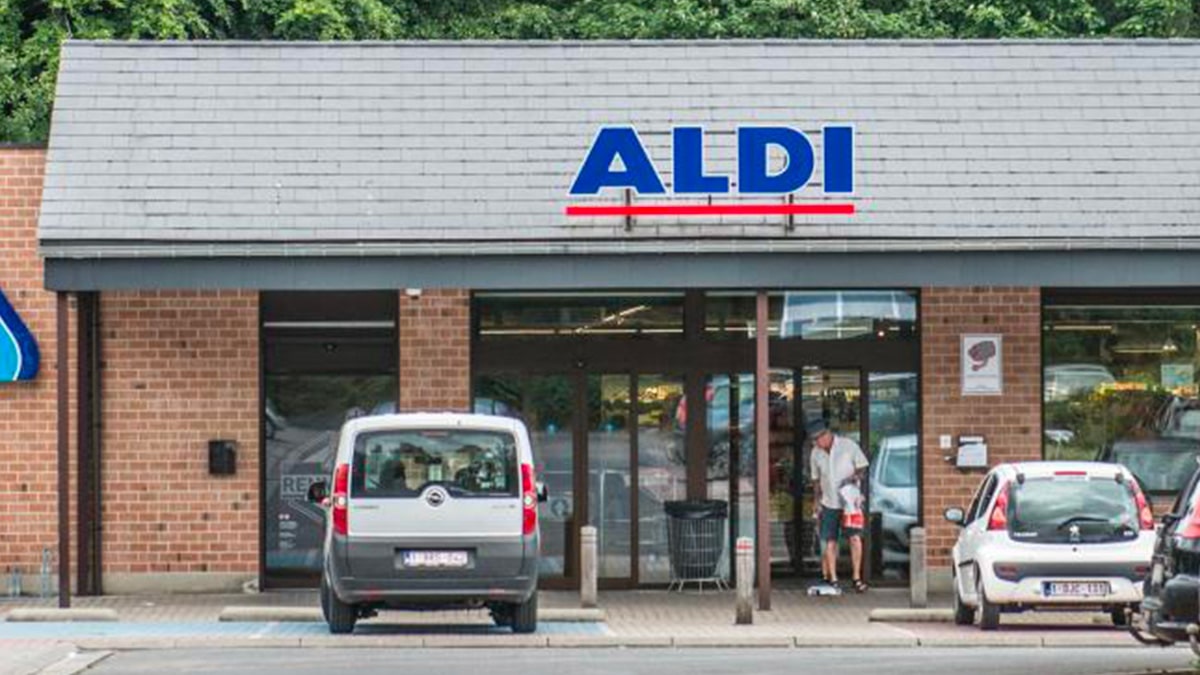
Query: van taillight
(340, 502)
(1145, 515)
(529, 500)
(999, 517)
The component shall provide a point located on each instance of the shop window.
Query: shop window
(1119, 385)
(327, 357)
(815, 315)
(521, 315)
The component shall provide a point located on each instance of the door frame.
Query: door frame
(692, 356)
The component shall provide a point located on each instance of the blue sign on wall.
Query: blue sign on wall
(18, 349)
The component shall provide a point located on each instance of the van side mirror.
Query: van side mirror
(955, 515)
(542, 492)
(318, 491)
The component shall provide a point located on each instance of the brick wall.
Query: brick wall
(179, 369)
(28, 453)
(1011, 422)
(435, 350)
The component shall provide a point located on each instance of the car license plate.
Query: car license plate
(435, 559)
(1076, 589)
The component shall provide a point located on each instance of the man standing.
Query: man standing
(836, 461)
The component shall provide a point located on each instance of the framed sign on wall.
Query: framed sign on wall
(982, 365)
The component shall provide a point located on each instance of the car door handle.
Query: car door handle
(367, 507)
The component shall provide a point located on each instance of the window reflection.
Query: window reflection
(815, 315)
(662, 469)
(1119, 384)
(579, 314)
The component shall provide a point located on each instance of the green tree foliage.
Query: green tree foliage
(32, 30)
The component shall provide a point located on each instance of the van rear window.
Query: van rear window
(402, 464)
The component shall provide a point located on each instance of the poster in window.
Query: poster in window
(1178, 376)
(982, 365)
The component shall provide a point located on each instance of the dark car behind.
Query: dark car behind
(1172, 589)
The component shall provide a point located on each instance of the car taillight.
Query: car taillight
(340, 502)
(999, 517)
(1145, 515)
(529, 500)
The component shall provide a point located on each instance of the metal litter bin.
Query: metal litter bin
(697, 542)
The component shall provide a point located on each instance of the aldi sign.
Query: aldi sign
(618, 160)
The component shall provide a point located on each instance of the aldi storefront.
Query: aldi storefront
(666, 258)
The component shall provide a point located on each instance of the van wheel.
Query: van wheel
(502, 615)
(963, 615)
(1119, 617)
(989, 612)
(524, 615)
(340, 616)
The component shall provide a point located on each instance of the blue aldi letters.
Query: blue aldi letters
(638, 173)
(18, 350)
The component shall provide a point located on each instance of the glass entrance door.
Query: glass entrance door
(546, 403)
(833, 395)
(610, 486)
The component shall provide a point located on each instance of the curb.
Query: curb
(913, 615)
(57, 614)
(250, 613)
(798, 642)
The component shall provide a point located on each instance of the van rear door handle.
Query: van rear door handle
(367, 507)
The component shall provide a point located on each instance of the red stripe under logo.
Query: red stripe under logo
(817, 209)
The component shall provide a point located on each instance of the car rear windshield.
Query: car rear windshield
(1079, 509)
(402, 464)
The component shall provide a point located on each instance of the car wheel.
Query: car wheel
(963, 615)
(340, 616)
(1119, 618)
(989, 612)
(524, 615)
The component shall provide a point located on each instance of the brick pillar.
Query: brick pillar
(1010, 422)
(435, 351)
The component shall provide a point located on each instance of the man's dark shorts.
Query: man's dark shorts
(830, 527)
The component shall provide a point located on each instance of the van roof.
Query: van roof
(434, 420)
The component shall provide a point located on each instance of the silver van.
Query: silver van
(431, 511)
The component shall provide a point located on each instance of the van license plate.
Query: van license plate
(435, 558)
(1076, 589)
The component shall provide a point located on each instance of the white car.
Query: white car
(1042, 535)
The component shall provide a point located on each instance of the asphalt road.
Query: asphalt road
(975, 661)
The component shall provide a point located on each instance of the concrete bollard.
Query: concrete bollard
(744, 550)
(587, 566)
(918, 573)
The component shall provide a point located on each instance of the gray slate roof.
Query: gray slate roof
(959, 144)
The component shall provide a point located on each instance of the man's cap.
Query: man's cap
(816, 427)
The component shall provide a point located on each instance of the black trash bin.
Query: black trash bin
(697, 541)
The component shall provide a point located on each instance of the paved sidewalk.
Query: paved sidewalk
(646, 618)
